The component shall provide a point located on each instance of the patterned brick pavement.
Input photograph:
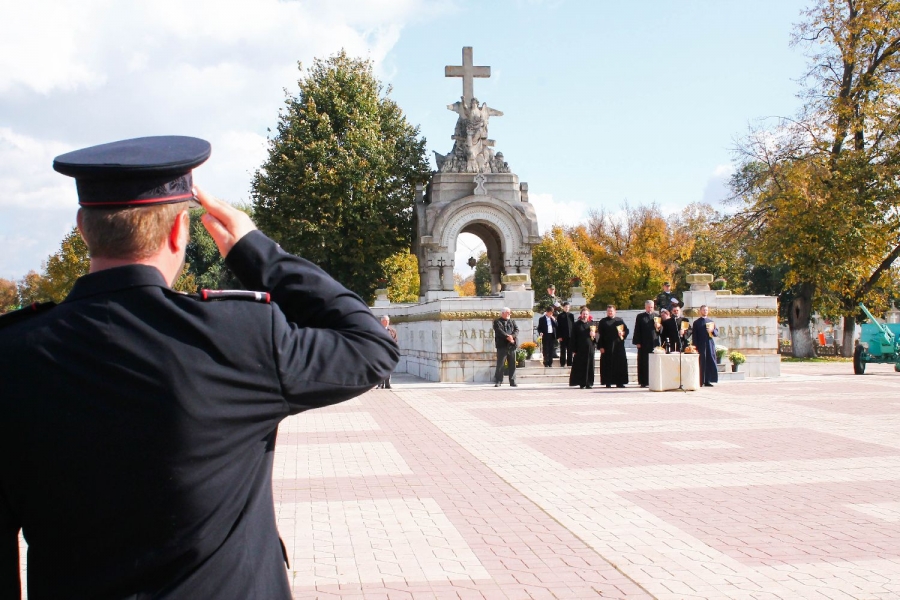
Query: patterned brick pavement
(785, 488)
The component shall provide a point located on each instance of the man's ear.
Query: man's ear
(78, 223)
(180, 232)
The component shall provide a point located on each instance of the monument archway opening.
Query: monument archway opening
(474, 240)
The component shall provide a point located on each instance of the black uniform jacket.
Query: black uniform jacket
(137, 426)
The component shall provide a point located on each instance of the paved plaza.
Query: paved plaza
(786, 488)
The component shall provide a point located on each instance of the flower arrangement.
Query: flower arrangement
(575, 281)
(528, 348)
(737, 358)
(520, 358)
(721, 351)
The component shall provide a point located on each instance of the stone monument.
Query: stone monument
(747, 324)
(445, 337)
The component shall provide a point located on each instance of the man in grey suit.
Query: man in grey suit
(506, 334)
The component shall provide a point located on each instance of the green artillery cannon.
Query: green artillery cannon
(877, 344)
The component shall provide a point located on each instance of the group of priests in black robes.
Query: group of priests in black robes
(609, 335)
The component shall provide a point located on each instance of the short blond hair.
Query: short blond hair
(132, 233)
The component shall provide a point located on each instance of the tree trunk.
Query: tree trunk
(847, 339)
(798, 320)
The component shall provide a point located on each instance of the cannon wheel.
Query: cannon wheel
(859, 362)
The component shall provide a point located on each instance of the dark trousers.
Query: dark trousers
(547, 344)
(509, 354)
(643, 367)
(565, 353)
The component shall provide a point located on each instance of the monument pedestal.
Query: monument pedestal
(452, 339)
(747, 324)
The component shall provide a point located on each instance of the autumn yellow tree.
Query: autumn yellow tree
(9, 295)
(708, 246)
(401, 275)
(820, 190)
(464, 286)
(557, 260)
(632, 253)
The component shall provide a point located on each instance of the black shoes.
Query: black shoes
(514, 385)
(496, 385)
(707, 385)
(608, 385)
(619, 385)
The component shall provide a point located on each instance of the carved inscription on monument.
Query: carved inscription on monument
(742, 331)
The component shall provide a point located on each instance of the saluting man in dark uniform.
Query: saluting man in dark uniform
(137, 424)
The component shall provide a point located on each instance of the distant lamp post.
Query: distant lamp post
(472, 262)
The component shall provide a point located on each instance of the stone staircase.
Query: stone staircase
(535, 372)
(725, 373)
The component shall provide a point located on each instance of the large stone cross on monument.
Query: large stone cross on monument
(467, 71)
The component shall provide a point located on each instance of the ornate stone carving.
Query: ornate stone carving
(471, 151)
(734, 312)
(480, 179)
(488, 215)
(461, 315)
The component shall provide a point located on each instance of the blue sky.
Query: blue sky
(604, 101)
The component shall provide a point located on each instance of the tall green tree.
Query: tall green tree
(820, 191)
(338, 184)
(204, 265)
(557, 260)
(482, 276)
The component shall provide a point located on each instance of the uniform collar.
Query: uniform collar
(115, 279)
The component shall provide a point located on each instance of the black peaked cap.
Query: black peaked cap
(137, 172)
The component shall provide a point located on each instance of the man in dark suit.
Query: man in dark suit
(548, 330)
(138, 424)
(566, 323)
(506, 334)
(646, 338)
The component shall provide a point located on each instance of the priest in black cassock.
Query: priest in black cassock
(669, 336)
(704, 334)
(646, 338)
(683, 324)
(583, 346)
(613, 362)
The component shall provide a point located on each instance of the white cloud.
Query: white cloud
(78, 74)
(551, 212)
(716, 189)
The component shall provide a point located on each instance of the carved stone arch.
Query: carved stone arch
(480, 216)
(508, 230)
